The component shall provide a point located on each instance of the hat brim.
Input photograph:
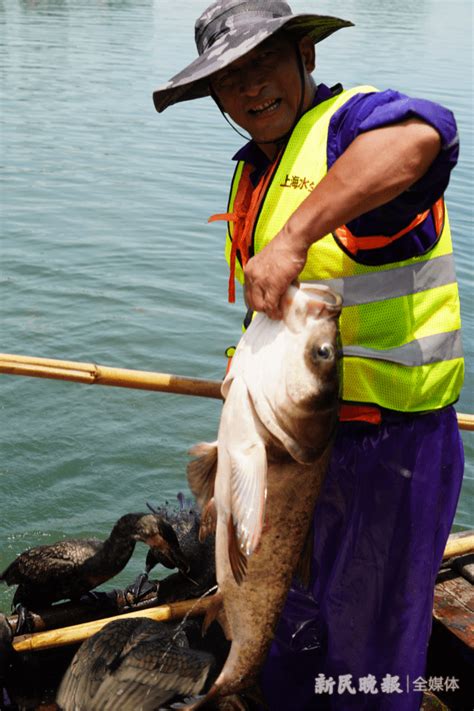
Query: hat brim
(193, 81)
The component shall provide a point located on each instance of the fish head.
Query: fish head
(309, 302)
(323, 347)
(311, 316)
(290, 370)
(304, 401)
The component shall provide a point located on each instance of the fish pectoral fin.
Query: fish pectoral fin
(202, 471)
(208, 520)
(237, 558)
(248, 494)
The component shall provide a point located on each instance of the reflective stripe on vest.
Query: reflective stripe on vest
(430, 349)
(390, 284)
(400, 321)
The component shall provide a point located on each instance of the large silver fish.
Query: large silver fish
(260, 480)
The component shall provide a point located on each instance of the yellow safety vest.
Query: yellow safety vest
(400, 322)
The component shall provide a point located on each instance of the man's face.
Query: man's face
(261, 91)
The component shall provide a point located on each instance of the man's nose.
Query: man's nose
(252, 80)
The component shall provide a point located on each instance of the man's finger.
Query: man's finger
(255, 298)
(272, 304)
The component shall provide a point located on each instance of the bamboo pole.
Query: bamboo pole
(93, 374)
(78, 633)
(459, 544)
(465, 422)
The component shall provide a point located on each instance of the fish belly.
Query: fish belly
(252, 609)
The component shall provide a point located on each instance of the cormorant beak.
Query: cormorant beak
(180, 562)
(169, 555)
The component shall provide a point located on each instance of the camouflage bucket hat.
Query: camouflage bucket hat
(227, 30)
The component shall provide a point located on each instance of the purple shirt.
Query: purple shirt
(365, 112)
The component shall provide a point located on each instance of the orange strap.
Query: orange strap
(353, 243)
(246, 206)
(238, 217)
(360, 413)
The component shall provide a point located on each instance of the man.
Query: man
(345, 188)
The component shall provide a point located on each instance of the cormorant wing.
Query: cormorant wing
(151, 674)
(92, 662)
(39, 564)
(133, 663)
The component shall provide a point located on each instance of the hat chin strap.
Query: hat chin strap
(299, 112)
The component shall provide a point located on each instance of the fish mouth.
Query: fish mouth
(323, 295)
(265, 108)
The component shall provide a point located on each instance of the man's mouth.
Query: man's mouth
(266, 107)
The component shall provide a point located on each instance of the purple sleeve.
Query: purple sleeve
(366, 112)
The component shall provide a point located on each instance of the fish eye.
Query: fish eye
(325, 351)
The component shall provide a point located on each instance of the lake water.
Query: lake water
(106, 254)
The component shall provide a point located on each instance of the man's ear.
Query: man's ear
(308, 53)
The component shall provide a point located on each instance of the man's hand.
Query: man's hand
(270, 272)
